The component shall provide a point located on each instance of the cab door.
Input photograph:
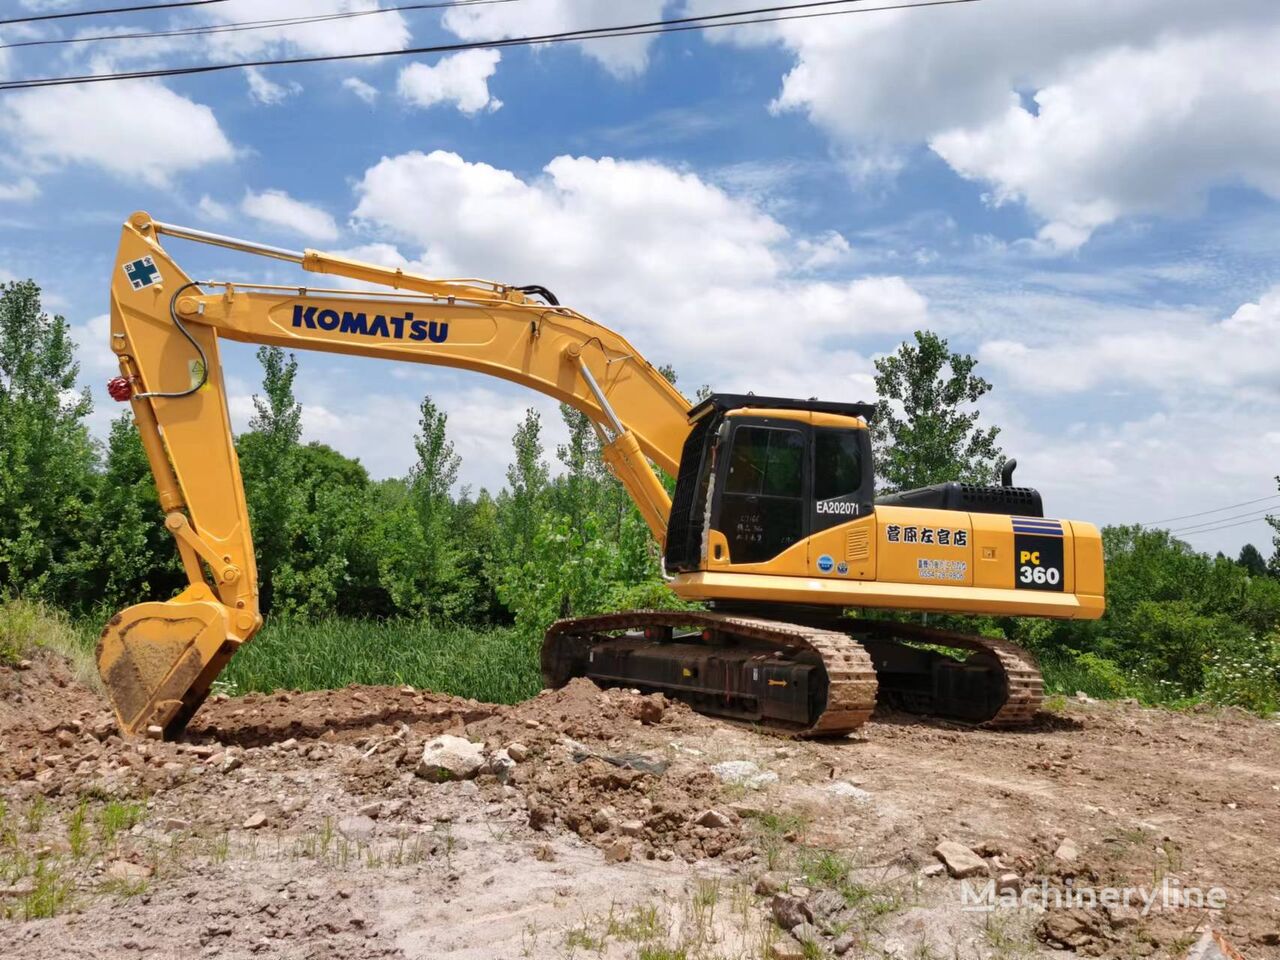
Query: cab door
(842, 508)
(762, 503)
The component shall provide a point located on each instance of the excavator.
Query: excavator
(773, 528)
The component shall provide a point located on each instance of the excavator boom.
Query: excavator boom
(159, 659)
(774, 521)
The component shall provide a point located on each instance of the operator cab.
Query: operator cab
(767, 473)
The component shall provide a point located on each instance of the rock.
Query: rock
(176, 824)
(713, 819)
(842, 788)
(1123, 916)
(767, 884)
(934, 870)
(807, 933)
(66, 738)
(631, 828)
(618, 852)
(128, 871)
(371, 810)
(648, 710)
(500, 765)
(1070, 928)
(518, 752)
(1082, 697)
(1009, 882)
(825, 904)
(744, 773)
(1067, 851)
(357, 829)
(960, 861)
(541, 817)
(602, 820)
(231, 761)
(843, 944)
(789, 911)
(24, 665)
(255, 821)
(1212, 946)
(450, 758)
(786, 949)
(544, 852)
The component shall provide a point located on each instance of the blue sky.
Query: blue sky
(1081, 193)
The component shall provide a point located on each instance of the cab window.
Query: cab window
(837, 464)
(766, 461)
(762, 508)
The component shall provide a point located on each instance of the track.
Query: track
(842, 700)
(857, 662)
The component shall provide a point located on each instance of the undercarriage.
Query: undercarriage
(820, 677)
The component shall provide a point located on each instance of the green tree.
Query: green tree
(132, 554)
(419, 548)
(1275, 524)
(1252, 560)
(269, 462)
(47, 481)
(527, 482)
(924, 428)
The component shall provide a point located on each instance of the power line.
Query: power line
(240, 26)
(1204, 513)
(98, 13)
(677, 25)
(1256, 514)
(1225, 526)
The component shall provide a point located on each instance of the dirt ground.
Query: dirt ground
(603, 823)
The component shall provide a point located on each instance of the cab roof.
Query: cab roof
(724, 402)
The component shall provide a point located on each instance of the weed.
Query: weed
(117, 816)
(644, 923)
(1004, 939)
(51, 892)
(125, 886)
(34, 819)
(664, 952)
(581, 938)
(78, 830)
(221, 848)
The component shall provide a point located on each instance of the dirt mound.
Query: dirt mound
(353, 713)
(583, 711)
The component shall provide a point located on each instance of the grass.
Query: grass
(27, 626)
(493, 664)
(116, 817)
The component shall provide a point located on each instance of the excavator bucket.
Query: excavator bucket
(158, 661)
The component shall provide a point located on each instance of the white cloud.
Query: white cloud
(623, 57)
(277, 208)
(20, 190)
(267, 92)
(687, 272)
(1132, 132)
(1239, 353)
(1131, 108)
(211, 209)
(129, 129)
(383, 31)
(461, 79)
(365, 91)
(93, 348)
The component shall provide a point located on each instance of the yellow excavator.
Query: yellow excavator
(774, 525)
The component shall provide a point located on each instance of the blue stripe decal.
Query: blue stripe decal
(1048, 528)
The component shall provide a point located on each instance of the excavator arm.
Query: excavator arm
(159, 659)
